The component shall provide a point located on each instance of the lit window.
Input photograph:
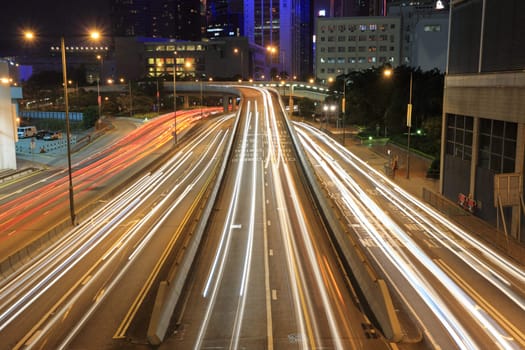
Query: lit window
(362, 27)
(432, 28)
(373, 27)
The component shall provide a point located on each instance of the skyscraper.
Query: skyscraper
(224, 18)
(179, 19)
(285, 25)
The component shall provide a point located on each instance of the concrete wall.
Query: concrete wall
(7, 123)
(497, 96)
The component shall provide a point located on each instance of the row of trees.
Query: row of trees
(379, 103)
(373, 99)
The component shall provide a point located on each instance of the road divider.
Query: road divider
(170, 290)
(372, 288)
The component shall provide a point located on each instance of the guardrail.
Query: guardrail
(170, 290)
(373, 288)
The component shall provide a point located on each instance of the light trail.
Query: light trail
(371, 209)
(307, 324)
(101, 166)
(53, 264)
(216, 272)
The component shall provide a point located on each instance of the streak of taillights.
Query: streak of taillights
(18, 293)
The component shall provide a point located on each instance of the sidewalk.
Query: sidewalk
(376, 156)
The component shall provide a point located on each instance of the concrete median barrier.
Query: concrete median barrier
(170, 290)
(372, 288)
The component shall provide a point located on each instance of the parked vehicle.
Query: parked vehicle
(41, 133)
(26, 131)
(53, 135)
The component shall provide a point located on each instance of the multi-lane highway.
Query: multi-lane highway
(462, 293)
(36, 204)
(267, 274)
(46, 302)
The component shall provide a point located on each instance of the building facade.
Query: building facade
(178, 19)
(483, 133)
(285, 26)
(424, 38)
(225, 58)
(224, 18)
(8, 121)
(348, 44)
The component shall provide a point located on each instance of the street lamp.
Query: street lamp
(130, 100)
(122, 81)
(175, 98)
(343, 107)
(387, 73)
(241, 55)
(272, 50)
(290, 102)
(99, 98)
(409, 125)
(94, 35)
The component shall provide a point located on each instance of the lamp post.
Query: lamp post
(409, 125)
(122, 80)
(272, 50)
(241, 55)
(175, 98)
(68, 133)
(290, 102)
(99, 99)
(94, 35)
(201, 97)
(343, 108)
(387, 73)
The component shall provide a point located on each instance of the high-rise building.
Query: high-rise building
(286, 27)
(345, 44)
(179, 19)
(483, 109)
(224, 18)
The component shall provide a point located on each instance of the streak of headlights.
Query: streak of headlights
(345, 184)
(292, 249)
(216, 272)
(215, 145)
(50, 266)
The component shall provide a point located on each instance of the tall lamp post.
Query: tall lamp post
(241, 55)
(409, 125)
(387, 73)
(99, 98)
(343, 108)
(94, 35)
(122, 80)
(68, 133)
(175, 98)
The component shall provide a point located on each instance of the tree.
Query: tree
(90, 117)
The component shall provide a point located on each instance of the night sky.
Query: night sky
(50, 18)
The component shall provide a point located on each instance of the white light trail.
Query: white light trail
(336, 172)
